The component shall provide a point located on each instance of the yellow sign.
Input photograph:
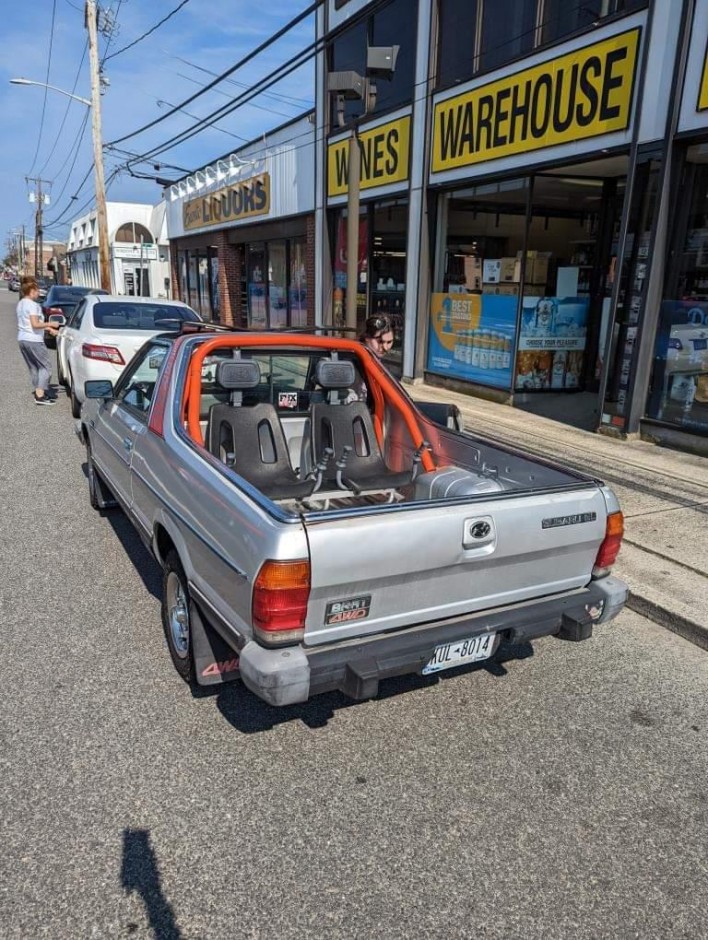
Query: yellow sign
(703, 93)
(230, 204)
(581, 94)
(384, 157)
(453, 315)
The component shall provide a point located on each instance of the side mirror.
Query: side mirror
(98, 388)
(57, 319)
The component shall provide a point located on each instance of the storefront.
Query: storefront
(526, 260)
(138, 250)
(383, 226)
(677, 403)
(242, 233)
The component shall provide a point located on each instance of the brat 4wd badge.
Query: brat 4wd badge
(354, 608)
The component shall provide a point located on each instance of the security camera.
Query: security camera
(381, 61)
(348, 84)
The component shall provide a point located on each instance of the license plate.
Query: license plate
(472, 650)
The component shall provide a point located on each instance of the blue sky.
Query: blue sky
(167, 66)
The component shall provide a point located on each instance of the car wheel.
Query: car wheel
(75, 403)
(175, 616)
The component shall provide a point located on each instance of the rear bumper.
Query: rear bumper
(355, 667)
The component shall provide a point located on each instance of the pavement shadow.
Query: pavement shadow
(143, 562)
(250, 715)
(140, 874)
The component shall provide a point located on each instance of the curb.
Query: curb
(693, 632)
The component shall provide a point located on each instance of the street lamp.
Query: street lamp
(95, 105)
(29, 81)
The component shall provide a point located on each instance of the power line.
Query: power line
(152, 30)
(286, 99)
(275, 76)
(66, 114)
(247, 58)
(46, 81)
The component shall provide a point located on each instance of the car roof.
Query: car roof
(123, 299)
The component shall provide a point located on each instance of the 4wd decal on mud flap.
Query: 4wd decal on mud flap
(287, 400)
(219, 669)
(353, 608)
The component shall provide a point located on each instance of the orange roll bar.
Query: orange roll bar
(379, 379)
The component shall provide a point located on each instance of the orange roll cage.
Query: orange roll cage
(382, 385)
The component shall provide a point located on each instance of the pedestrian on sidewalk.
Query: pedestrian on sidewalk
(30, 336)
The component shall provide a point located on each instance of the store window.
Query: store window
(567, 281)
(481, 35)
(474, 307)
(133, 232)
(381, 269)
(507, 31)
(393, 24)
(679, 381)
(276, 283)
(199, 281)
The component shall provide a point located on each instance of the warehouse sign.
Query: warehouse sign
(384, 157)
(230, 204)
(703, 92)
(581, 94)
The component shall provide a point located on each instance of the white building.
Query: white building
(138, 250)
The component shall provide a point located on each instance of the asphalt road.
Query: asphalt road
(559, 794)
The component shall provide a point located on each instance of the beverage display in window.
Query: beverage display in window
(552, 339)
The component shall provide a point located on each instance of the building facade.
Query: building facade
(242, 233)
(532, 201)
(138, 250)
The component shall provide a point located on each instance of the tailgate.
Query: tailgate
(382, 571)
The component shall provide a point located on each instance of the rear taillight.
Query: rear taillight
(52, 311)
(607, 555)
(280, 594)
(104, 353)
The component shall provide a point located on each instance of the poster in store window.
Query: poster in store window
(471, 337)
(552, 341)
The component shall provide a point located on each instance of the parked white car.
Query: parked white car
(104, 332)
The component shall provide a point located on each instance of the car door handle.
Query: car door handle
(127, 443)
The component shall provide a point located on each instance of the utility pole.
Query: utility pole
(39, 198)
(353, 228)
(104, 266)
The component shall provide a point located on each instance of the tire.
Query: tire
(175, 616)
(100, 496)
(75, 403)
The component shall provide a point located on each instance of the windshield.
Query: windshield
(143, 316)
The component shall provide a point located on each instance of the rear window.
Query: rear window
(67, 296)
(127, 316)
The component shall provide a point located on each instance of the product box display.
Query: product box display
(473, 273)
(491, 270)
(504, 290)
(536, 266)
(507, 269)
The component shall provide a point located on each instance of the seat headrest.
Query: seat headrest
(335, 373)
(235, 374)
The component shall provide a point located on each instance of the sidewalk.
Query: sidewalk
(663, 495)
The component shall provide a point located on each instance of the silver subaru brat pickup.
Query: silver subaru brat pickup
(317, 531)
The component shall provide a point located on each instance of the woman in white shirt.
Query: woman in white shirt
(30, 335)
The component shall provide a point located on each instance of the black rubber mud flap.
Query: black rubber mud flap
(214, 660)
